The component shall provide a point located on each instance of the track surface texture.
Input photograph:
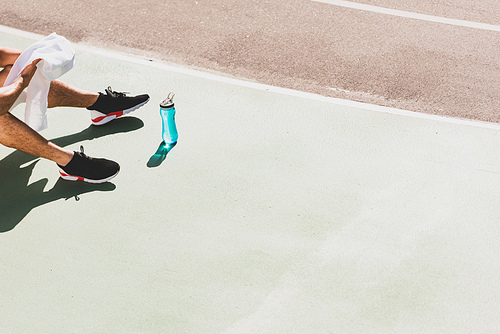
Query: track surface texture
(301, 44)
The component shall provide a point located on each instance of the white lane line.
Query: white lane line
(255, 85)
(411, 15)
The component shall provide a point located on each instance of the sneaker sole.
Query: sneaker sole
(79, 178)
(98, 118)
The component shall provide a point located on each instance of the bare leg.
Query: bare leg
(63, 95)
(16, 134)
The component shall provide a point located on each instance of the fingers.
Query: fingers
(33, 64)
(28, 72)
(36, 61)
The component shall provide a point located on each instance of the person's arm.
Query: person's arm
(10, 93)
(8, 56)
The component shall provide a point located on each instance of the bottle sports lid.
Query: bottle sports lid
(168, 102)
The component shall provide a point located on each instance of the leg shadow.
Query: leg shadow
(17, 198)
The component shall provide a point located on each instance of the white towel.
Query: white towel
(57, 58)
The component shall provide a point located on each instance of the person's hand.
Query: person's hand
(10, 93)
(28, 72)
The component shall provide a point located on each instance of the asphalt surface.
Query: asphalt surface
(301, 44)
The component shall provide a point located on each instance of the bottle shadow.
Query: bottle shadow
(161, 153)
(17, 198)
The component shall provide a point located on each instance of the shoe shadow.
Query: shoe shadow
(17, 198)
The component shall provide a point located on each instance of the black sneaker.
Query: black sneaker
(92, 170)
(113, 105)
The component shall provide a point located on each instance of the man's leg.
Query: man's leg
(60, 94)
(103, 107)
(64, 95)
(74, 165)
(16, 134)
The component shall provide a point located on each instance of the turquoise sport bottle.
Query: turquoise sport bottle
(167, 112)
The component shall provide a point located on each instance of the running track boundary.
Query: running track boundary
(254, 85)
